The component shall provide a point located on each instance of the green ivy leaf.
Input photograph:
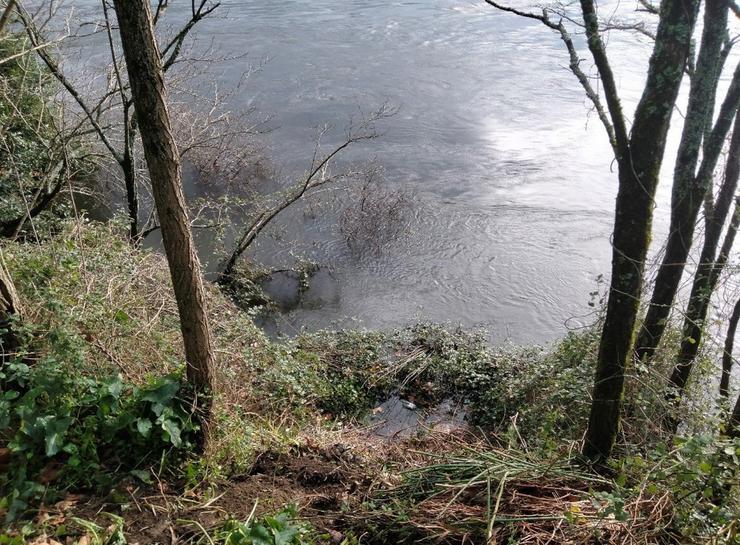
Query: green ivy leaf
(143, 476)
(55, 430)
(144, 426)
(260, 535)
(115, 387)
(121, 317)
(285, 536)
(163, 393)
(172, 432)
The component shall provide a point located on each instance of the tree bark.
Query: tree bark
(10, 309)
(639, 168)
(710, 265)
(688, 189)
(128, 166)
(705, 281)
(146, 77)
(733, 426)
(727, 360)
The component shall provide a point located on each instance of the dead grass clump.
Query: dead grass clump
(497, 496)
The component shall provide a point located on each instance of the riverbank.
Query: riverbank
(99, 440)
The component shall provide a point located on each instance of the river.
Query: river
(508, 169)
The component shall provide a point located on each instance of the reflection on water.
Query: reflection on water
(396, 418)
(509, 172)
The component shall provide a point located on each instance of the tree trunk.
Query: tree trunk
(727, 360)
(639, 168)
(688, 189)
(10, 309)
(128, 166)
(707, 275)
(710, 264)
(146, 77)
(733, 427)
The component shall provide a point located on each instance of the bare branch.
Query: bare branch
(575, 66)
(175, 46)
(598, 51)
(735, 9)
(649, 7)
(317, 175)
(53, 67)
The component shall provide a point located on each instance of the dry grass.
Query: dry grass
(118, 300)
(461, 490)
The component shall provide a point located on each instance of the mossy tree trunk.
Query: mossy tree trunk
(639, 160)
(7, 12)
(146, 77)
(689, 187)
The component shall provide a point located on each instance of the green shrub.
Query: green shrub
(76, 432)
(698, 475)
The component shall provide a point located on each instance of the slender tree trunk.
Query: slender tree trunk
(727, 360)
(716, 213)
(639, 168)
(128, 166)
(10, 309)
(688, 191)
(710, 263)
(707, 275)
(733, 426)
(146, 77)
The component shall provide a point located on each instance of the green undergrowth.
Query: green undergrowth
(66, 432)
(283, 528)
(96, 395)
(80, 402)
(429, 363)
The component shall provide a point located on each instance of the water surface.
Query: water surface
(509, 171)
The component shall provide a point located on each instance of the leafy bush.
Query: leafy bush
(547, 390)
(697, 477)
(351, 366)
(74, 432)
(347, 372)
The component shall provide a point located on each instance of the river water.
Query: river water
(508, 170)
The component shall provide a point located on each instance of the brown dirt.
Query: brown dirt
(319, 482)
(329, 483)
